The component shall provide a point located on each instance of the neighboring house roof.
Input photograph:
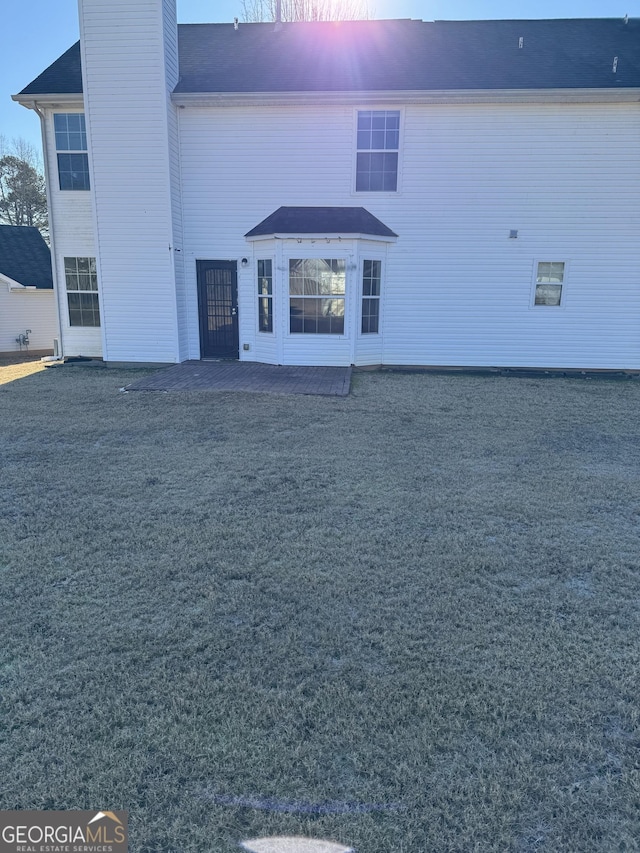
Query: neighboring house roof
(321, 220)
(393, 55)
(25, 257)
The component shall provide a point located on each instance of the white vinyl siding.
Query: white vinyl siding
(27, 309)
(72, 235)
(129, 69)
(457, 290)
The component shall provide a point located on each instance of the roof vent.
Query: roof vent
(615, 64)
(235, 23)
(521, 42)
(626, 19)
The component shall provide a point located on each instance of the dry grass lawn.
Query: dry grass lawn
(405, 621)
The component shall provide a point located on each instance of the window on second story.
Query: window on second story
(378, 146)
(71, 148)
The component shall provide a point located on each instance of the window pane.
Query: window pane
(550, 271)
(80, 275)
(364, 120)
(548, 294)
(265, 314)
(265, 268)
(315, 276)
(392, 139)
(378, 130)
(316, 316)
(83, 309)
(370, 315)
(73, 171)
(371, 278)
(377, 172)
(70, 131)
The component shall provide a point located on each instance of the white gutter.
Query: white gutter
(435, 96)
(47, 183)
(31, 101)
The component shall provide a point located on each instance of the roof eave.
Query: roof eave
(433, 96)
(343, 235)
(48, 100)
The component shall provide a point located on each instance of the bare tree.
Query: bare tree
(305, 10)
(23, 199)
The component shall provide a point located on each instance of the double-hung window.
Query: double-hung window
(265, 295)
(82, 291)
(317, 290)
(549, 283)
(71, 148)
(371, 278)
(378, 144)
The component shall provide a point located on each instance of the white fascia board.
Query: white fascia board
(376, 238)
(435, 96)
(33, 101)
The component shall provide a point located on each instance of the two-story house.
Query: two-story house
(374, 192)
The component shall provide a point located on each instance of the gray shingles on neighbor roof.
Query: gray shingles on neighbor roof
(321, 220)
(25, 257)
(393, 55)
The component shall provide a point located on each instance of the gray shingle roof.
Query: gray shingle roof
(25, 257)
(392, 55)
(62, 77)
(321, 220)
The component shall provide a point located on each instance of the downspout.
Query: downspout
(54, 265)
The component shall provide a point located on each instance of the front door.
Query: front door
(218, 308)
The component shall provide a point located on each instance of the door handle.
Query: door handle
(234, 311)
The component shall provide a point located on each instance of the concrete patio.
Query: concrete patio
(247, 376)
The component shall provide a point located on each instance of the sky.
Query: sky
(36, 32)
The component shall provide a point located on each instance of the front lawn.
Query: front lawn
(406, 620)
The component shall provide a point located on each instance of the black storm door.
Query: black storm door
(218, 307)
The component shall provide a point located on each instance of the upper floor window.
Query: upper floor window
(378, 144)
(71, 139)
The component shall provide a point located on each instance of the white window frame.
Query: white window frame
(70, 151)
(369, 256)
(258, 296)
(563, 293)
(93, 291)
(354, 167)
(322, 252)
